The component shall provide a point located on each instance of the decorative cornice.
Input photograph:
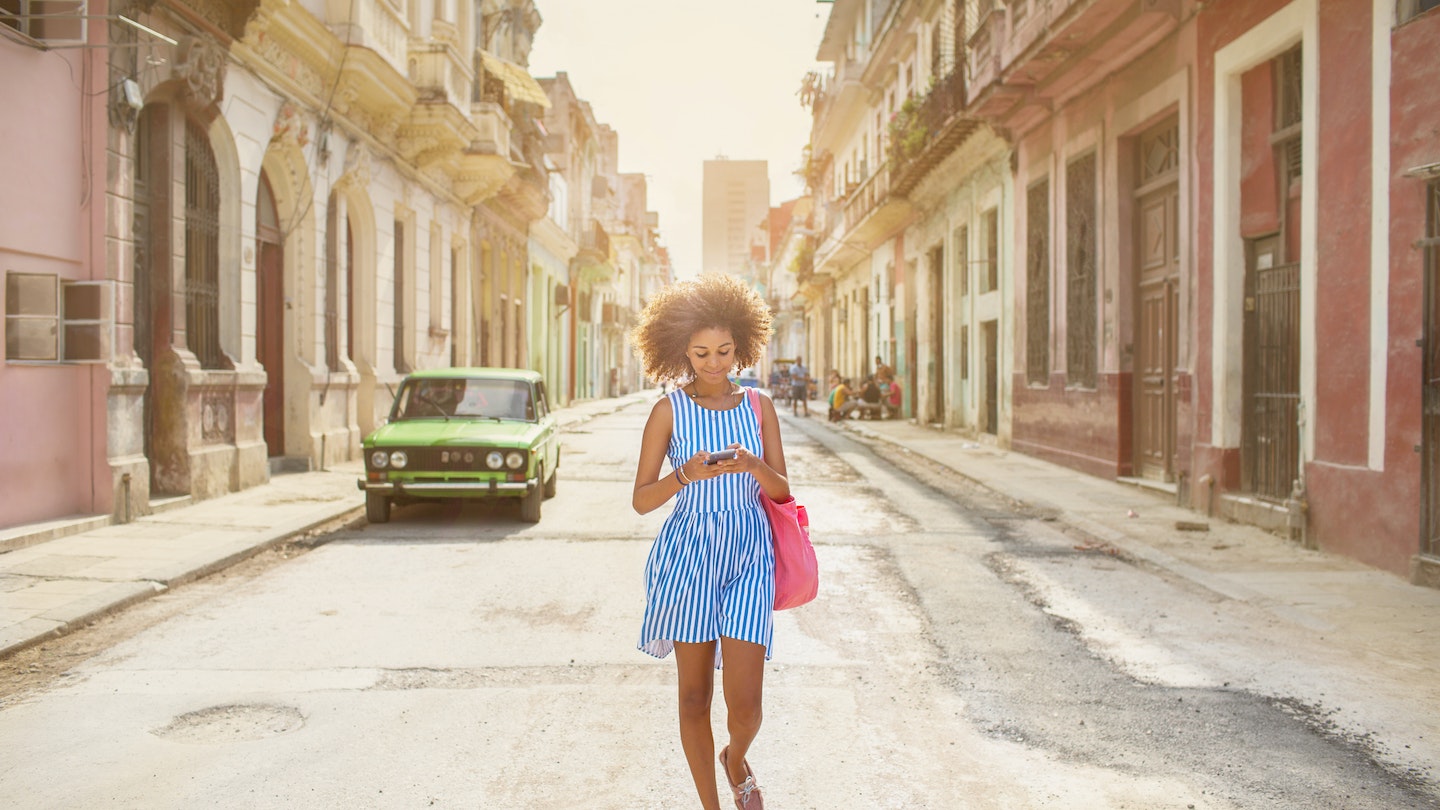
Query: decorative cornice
(200, 65)
(290, 126)
(357, 168)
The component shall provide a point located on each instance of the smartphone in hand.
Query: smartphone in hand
(721, 455)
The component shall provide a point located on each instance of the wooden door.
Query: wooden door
(991, 332)
(270, 317)
(1157, 230)
(938, 327)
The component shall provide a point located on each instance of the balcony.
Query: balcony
(1022, 56)
(492, 128)
(941, 116)
(840, 103)
(982, 54)
(527, 193)
(377, 39)
(440, 75)
(864, 199)
(869, 214)
(596, 240)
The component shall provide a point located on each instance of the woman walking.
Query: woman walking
(710, 577)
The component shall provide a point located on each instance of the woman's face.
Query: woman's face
(712, 354)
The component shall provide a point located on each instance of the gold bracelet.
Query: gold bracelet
(680, 476)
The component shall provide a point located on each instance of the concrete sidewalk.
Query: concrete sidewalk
(58, 576)
(1351, 606)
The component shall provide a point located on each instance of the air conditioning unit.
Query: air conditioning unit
(610, 313)
(562, 295)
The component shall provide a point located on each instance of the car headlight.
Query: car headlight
(515, 459)
(494, 459)
(379, 458)
(398, 459)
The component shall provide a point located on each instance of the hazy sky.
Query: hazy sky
(682, 81)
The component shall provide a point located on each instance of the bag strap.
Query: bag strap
(754, 397)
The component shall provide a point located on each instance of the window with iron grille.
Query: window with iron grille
(965, 353)
(961, 252)
(991, 277)
(1080, 303)
(937, 54)
(959, 33)
(1037, 284)
(400, 325)
(1287, 141)
(332, 286)
(1289, 109)
(202, 248)
(350, 308)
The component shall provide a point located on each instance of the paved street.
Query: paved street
(968, 650)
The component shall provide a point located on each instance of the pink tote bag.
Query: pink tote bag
(797, 574)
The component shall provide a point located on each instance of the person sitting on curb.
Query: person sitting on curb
(839, 398)
(893, 399)
(870, 399)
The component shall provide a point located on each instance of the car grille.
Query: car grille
(448, 458)
(444, 459)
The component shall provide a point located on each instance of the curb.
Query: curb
(1100, 533)
(77, 615)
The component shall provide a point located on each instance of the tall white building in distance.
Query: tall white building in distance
(736, 206)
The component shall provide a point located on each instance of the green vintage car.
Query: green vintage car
(464, 433)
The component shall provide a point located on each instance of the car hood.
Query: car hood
(437, 432)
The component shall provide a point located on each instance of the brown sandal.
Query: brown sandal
(747, 793)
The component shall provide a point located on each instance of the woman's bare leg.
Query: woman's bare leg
(744, 679)
(696, 666)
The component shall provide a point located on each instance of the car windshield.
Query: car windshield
(460, 397)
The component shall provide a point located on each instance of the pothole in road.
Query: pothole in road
(234, 723)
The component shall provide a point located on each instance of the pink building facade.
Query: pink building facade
(1315, 318)
(52, 250)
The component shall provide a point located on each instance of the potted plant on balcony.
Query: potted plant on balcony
(907, 132)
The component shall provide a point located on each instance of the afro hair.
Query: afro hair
(672, 316)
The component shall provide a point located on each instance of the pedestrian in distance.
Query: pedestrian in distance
(799, 387)
(710, 576)
(883, 372)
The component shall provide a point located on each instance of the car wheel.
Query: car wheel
(551, 485)
(377, 508)
(530, 505)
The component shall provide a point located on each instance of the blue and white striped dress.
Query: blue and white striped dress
(711, 571)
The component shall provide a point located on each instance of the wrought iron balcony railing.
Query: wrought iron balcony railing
(866, 198)
(941, 119)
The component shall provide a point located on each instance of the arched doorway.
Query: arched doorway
(270, 314)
